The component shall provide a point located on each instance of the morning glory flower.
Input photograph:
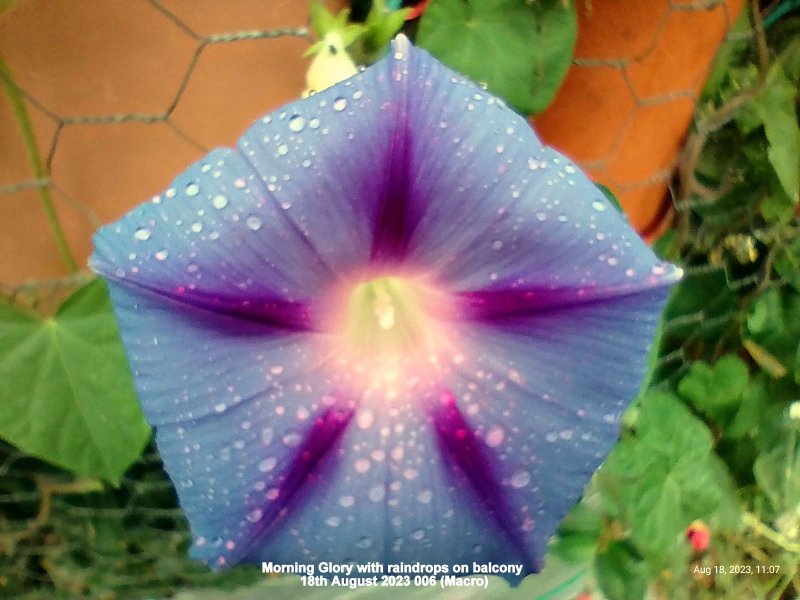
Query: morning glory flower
(389, 325)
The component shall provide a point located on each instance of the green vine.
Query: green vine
(36, 163)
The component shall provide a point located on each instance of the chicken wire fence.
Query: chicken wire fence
(62, 536)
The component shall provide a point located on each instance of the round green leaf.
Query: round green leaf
(520, 50)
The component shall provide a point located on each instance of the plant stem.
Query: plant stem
(35, 161)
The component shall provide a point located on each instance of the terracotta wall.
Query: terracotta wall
(80, 61)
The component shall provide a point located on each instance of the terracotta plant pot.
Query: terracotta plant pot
(627, 101)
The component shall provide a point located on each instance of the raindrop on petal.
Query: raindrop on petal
(495, 436)
(253, 223)
(267, 464)
(519, 479)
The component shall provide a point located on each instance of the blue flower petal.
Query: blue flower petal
(241, 410)
(214, 239)
(389, 493)
(545, 393)
(490, 207)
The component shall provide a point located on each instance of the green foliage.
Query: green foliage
(520, 50)
(67, 391)
(714, 437)
(771, 332)
(716, 391)
(621, 574)
(775, 107)
(381, 26)
(659, 479)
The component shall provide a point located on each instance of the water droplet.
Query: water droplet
(214, 235)
(347, 501)
(254, 516)
(314, 123)
(283, 149)
(143, 234)
(297, 123)
(362, 465)
(418, 534)
(272, 493)
(339, 104)
(192, 189)
(333, 521)
(497, 244)
(240, 183)
(495, 436)
(266, 436)
(162, 255)
(253, 223)
(197, 227)
(364, 542)
(425, 496)
(541, 216)
(598, 206)
(366, 417)
(410, 474)
(357, 95)
(519, 479)
(220, 407)
(219, 201)
(292, 439)
(267, 464)
(377, 493)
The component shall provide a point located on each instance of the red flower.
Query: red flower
(699, 535)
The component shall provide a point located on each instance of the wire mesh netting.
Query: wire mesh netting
(121, 96)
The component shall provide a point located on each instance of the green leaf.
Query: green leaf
(520, 50)
(620, 574)
(775, 106)
(772, 331)
(787, 264)
(751, 408)
(67, 392)
(716, 391)
(777, 473)
(657, 520)
(668, 428)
